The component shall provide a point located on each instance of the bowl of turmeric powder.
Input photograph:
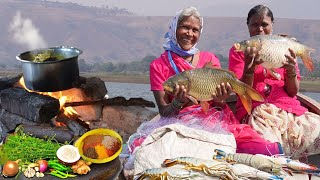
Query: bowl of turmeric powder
(99, 145)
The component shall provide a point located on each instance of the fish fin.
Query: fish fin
(204, 106)
(287, 36)
(192, 99)
(275, 74)
(247, 94)
(210, 65)
(306, 58)
(246, 102)
(255, 95)
(282, 35)
(249, 66)
(265, 72)
(237, 47)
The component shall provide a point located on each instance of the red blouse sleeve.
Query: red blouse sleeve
(157, 76)
(205, 57)
(215, 61)
(236, 62)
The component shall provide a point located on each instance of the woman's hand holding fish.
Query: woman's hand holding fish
(291, 82)
(223, 91)
(180, 96)
(180, 93)
(252, 58)
(289, 65)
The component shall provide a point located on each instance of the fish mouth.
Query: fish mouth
(237, 47)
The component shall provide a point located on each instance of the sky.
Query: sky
(293, 9)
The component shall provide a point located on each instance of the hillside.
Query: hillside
(116, 35)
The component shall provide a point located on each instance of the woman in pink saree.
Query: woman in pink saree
(281, 118)
(181, 54)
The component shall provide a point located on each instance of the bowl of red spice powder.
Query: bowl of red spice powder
(99, 145)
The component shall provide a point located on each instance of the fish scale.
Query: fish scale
(204, 86)
(274, 58)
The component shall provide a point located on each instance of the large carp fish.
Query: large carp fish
(201, 84)
(273, 49)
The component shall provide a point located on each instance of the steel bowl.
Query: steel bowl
(56, 73)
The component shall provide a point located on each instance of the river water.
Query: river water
(132, 90)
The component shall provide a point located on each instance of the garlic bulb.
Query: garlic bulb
(29, 172)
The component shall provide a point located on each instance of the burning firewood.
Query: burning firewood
(7, 82)
(77, 126)
(32, 106)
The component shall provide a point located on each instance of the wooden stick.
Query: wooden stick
(83, 103)
(116, 101)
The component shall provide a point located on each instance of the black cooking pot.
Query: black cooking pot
(50, 69)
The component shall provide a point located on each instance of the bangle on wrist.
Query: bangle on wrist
(221, 101)
(177, 104)
(249, 74)
(291, 73)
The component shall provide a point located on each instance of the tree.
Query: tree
(83, 66)
(224, 61)
(108, 67)
(3, 66)
(148, 58)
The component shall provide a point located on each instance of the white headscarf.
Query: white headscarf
(172, 44)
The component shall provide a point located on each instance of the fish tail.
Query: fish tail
(247, 94)
(246, 102)
(306, 58)
(255, 95)
(205, 106)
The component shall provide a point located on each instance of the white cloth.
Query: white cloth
(176, 140)
(298, 135)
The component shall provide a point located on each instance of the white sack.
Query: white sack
(176, 140)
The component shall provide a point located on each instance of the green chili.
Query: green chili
(53, 160)
(61, 174)
(58, 166)
(58, 175)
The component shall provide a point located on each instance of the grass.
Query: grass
(123, 78)
(310, 85)
(305, 85)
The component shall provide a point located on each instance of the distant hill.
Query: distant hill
(115, 35)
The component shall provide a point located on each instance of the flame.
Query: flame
(68, 95)
(68, 111)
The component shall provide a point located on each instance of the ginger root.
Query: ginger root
(81, 167)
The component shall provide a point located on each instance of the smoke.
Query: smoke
(25, 33)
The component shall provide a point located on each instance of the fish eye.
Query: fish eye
(247, 42)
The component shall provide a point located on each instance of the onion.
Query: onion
(10, 168)
(43, 165)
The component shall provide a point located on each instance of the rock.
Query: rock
(123, 119)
